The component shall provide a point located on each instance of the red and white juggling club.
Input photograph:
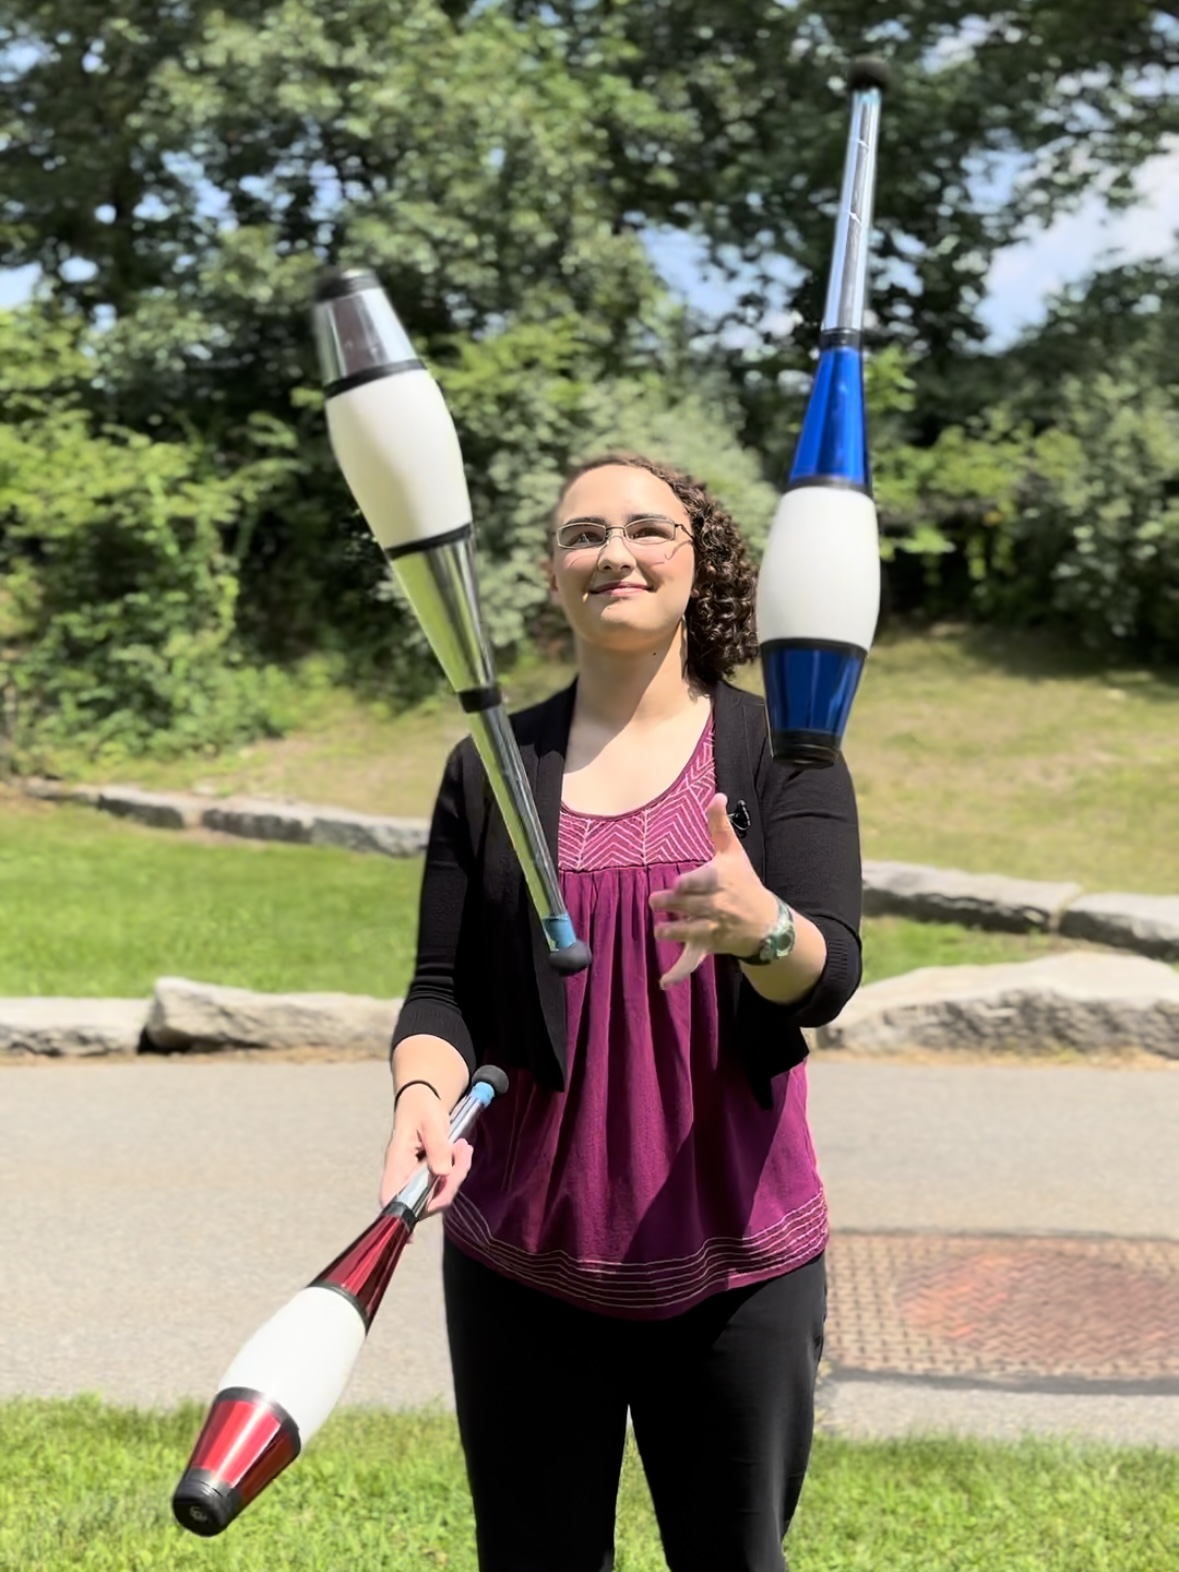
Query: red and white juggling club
(396, 445)
(289, 1377)
(818, 593)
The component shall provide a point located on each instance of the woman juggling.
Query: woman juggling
(642, 1226)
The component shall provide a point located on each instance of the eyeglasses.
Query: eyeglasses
(644, 535)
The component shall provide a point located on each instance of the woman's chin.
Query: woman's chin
(626, 636)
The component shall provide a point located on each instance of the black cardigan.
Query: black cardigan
(483, 982)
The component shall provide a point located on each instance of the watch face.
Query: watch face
(781, 941)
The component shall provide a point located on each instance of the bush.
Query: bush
(1075, 525)
(117, 624)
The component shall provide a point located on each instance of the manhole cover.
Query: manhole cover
(1004, 1309)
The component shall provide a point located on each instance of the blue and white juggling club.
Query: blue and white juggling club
(396, 445)
(818, 595)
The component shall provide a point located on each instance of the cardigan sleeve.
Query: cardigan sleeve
(431, 1006)
(812, 842)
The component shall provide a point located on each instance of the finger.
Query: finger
(720, 829)
(434, 1135)
(399, 1164)
(698, 881)
(445, 1192)
(690, 958)
(698, 932)
(701, 906)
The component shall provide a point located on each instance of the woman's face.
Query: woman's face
(620, 592)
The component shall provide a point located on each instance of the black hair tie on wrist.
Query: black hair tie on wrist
(408, 1084)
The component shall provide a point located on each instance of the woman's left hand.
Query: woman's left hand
(722, 908)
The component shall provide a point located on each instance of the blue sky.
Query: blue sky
(1021, 277)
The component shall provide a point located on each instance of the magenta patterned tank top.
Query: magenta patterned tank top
(655, 1179)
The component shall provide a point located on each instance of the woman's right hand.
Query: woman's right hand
(421, 1129)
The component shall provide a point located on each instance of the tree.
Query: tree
(117, 614)
(182, 172)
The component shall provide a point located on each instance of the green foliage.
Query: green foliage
(1076, 524)
(180, 176)
(117, 617)
(1096, 527)
(527, 416)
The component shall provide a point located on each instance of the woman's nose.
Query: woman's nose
(616, 552)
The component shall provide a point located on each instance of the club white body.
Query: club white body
(302, 1358)
(820, 576)
(399, 452)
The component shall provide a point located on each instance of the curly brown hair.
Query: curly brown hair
(720, 620)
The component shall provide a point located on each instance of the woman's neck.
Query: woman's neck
(616, 689)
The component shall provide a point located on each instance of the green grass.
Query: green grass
(86, 1488)
(94, 907)
(970, 749)
(1012, 754)
(893, 945)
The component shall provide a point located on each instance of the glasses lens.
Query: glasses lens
(654, 532)
(581, 537)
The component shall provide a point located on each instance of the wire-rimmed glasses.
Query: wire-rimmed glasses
(651, 533)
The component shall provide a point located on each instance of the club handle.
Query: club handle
(495, 742)
(847, 286)
(489, 1083)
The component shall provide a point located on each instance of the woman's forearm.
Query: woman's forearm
(432, 1059)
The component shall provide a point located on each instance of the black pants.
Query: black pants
(721, 1398)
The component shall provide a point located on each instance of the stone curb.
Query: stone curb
(977, 900)
(195, 1017)
(250, 818)
(71, 1028)
(1148, 924)
(1144, 924)
(1080, 1001)
(202, 1017)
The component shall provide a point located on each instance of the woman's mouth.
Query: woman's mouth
(620, 589)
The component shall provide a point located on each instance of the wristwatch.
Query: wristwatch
(777, 943)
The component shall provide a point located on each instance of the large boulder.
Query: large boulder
(368, 832)
(977, 900)
(1148, 924)
(203, 1017)
(161, 810)
(256, 819)
(1082, 1000)
(81, 1028)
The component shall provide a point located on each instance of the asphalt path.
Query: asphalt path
(154, 1212)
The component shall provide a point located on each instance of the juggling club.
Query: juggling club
(287, 1379)
(818, 594)
(398, 450)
